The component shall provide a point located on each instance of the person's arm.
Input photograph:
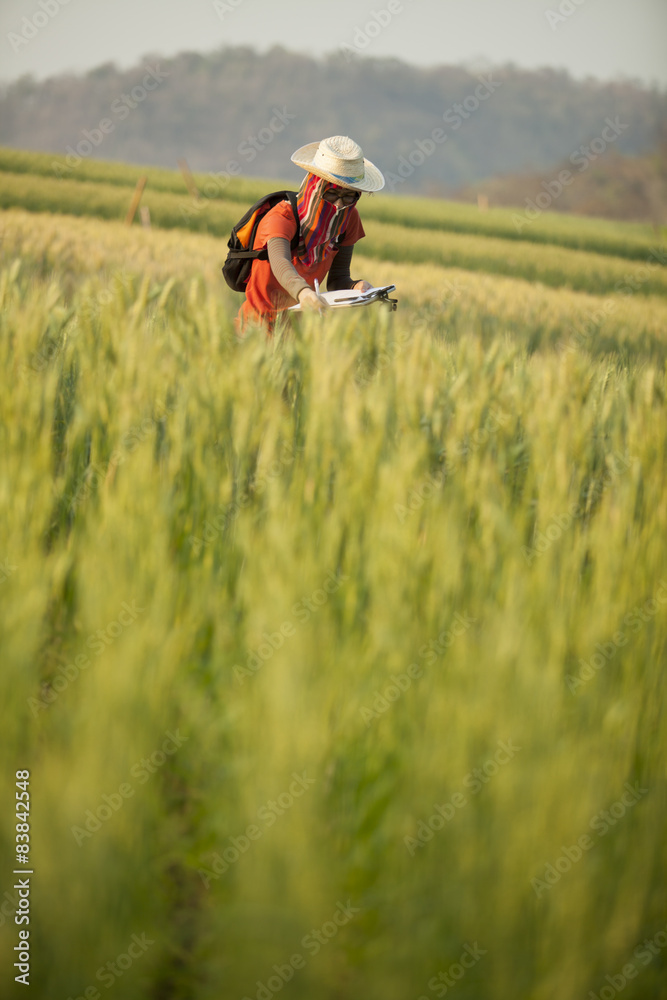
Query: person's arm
(283, 269)
(339, 274)
(288, 276)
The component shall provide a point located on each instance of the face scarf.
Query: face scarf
(320, 222)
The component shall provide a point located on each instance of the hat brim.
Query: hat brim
(373, 179)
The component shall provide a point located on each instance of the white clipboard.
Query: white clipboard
(353, 297)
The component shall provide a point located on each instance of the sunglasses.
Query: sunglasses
(332, 195)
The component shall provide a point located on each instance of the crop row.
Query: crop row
(464, 302)
(551, 265)
(630, 240)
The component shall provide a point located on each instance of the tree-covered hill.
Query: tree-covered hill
(237, 109)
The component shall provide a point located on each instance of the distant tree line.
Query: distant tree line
(430, 130)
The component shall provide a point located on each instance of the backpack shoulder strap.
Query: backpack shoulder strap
(291, 197)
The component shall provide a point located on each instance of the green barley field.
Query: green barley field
(336, 661)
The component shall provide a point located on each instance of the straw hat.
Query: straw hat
(340, 160)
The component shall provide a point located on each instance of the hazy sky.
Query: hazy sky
(601, 38)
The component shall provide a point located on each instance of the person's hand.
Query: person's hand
(362, 286)
(309, 300)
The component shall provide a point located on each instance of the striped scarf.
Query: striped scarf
(320, 222)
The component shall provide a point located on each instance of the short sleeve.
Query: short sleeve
(278, 221)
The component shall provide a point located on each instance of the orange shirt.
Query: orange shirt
(265, 296)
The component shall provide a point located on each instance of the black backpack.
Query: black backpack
(236, 269)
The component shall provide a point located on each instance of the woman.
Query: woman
(337, 174)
